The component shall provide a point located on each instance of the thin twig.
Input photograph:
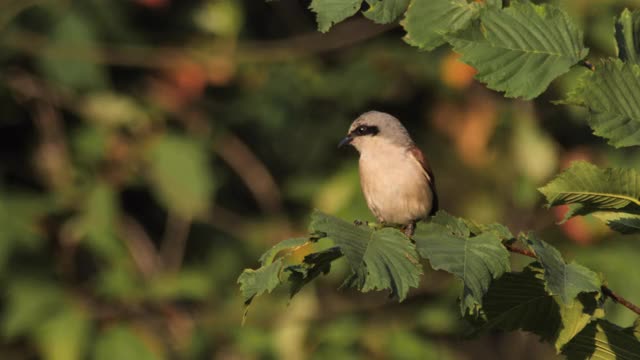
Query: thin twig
(141, 247)
(175, 241)
(620, 300)
(605, 289)
(253, 172)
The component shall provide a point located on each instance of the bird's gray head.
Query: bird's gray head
(374, 128)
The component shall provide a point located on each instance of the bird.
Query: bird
(396, 180)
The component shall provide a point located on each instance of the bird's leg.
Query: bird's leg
(410, 229)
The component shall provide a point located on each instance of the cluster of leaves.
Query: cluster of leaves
(519, 50)
(561, 302)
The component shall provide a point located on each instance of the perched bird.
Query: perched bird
(395, 177)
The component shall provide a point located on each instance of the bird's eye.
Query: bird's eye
(362, 130)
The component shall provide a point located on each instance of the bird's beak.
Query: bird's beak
(347, 140)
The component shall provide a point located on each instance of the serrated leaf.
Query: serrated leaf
(385, 11)
(576, 316)
(594, 189)
(331, 12)
(379, 259)
(562, 279)
(621, 222)
(603, 340)
(522, 48)
(474, 258)
(612, 95)
(311, 267)
(255, 282)
(180, 175)
(519, 301)
(628, 36)
(428, 22)
(268, 257)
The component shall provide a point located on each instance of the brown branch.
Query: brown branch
(620, 300)
(253, 172)
(605, 289)
(342, 35)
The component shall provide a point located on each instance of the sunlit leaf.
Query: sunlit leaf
(311, 267)
(522, 48)
(476, 259)
(428, 22)
(268, 257)
(612, 194)
(379, 259)
(385, 11)
(331, 12)
(562, 279)
(603, 340)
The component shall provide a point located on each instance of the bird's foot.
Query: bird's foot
(360, 222)
(410, 229)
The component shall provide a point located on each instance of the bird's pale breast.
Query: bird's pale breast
(394, 185)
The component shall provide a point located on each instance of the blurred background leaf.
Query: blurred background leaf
(152, 149)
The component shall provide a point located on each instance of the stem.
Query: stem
(605, 289)
(175, 241)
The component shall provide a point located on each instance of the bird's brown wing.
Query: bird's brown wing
(417, 154)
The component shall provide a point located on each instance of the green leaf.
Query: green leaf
(519, 301)
(564, 280)
(594, 189)
(29, 303)
(612, 95)
(628, 36)
(76, 33)
(330, 12)
(99, 222)
(603, 340)
(311, 267)
(122, 343)
(65, 335)
(385, 11)
(522, 48)
(379, 259)
(428, 22)
(180, 175)
(620, 222)
(476, 259)
(268, 257)
(255, 282)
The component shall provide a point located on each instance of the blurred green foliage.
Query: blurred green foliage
(151, 149)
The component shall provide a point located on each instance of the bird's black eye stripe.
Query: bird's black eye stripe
(366, 130)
